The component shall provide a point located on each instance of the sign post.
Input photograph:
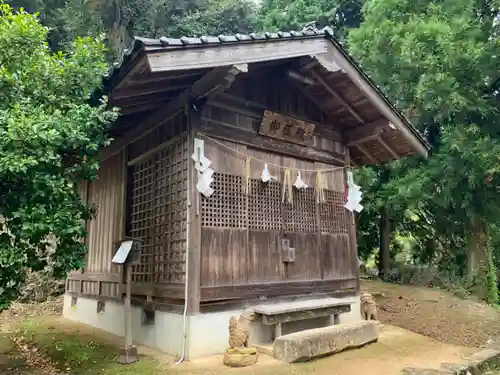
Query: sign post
(126, 255)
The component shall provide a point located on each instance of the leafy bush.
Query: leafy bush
(49, 141)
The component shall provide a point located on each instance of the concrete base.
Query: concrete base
(128, 355)
(207, 334)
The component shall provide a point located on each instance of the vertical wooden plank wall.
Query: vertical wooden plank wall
(241, 231)
(141, 192)
(106, 193)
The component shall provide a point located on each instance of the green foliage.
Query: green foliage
(49, 140)
(121, 20)
(284, 15)
(438, 62)
(491, 279)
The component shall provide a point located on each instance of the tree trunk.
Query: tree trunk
(477, 258)
(385, 242)
(385, 229)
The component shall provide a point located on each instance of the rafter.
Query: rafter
(365, 133)
(213, 82)
(391, 151)
(337, 96)
(365, 152)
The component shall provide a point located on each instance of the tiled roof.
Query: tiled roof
(186, 42)
(227, 39)
(309, 32)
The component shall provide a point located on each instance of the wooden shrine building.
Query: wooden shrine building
(292, 102)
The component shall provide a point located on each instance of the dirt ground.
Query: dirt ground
(396, 349)
(436, 314)
(34, 339)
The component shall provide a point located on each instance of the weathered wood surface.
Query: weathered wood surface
(194, 228)
(285, 128)
(198, 58)
(106, 193)
(277, 289)
(215, 78)
(241, 231)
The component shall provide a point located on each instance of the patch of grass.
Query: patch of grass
(81, 353)
(10, 360)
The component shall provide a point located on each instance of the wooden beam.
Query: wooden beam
(275, 289)
(311, 98)
(174, 291)
(307, 63)
(394, 154)
(249, 138)
(378, 100)
(337, 96)
(193, 274)
(218, 79)
(125, 73)
(327, 63)
(142, 99)
(164, 77)
(145, 90)
(365, 152)
(141, 107)
(254, 109)
(98, 277)
(223, 55)
(365, 133)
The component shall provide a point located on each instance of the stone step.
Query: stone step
(313, 343)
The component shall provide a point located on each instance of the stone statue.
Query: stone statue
(239, 329)
(239, 354)
(368, 307)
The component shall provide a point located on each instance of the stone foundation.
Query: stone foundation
(207, 334)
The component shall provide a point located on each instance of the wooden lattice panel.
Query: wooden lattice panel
(226, 207)
(264, 205)
(300, 216)
(333, 218)
(158, 214)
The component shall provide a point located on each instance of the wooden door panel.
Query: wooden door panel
(265, 263)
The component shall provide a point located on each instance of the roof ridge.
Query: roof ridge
(310, 30)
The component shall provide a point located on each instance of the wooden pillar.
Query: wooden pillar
(193, 275)
(128, 354)
(128, 307)
(353, 245)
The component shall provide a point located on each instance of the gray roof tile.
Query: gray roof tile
(187, 42)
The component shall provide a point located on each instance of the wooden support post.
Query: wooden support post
(128, 354)
(193, 275)
(353, 246)
(128, 308)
